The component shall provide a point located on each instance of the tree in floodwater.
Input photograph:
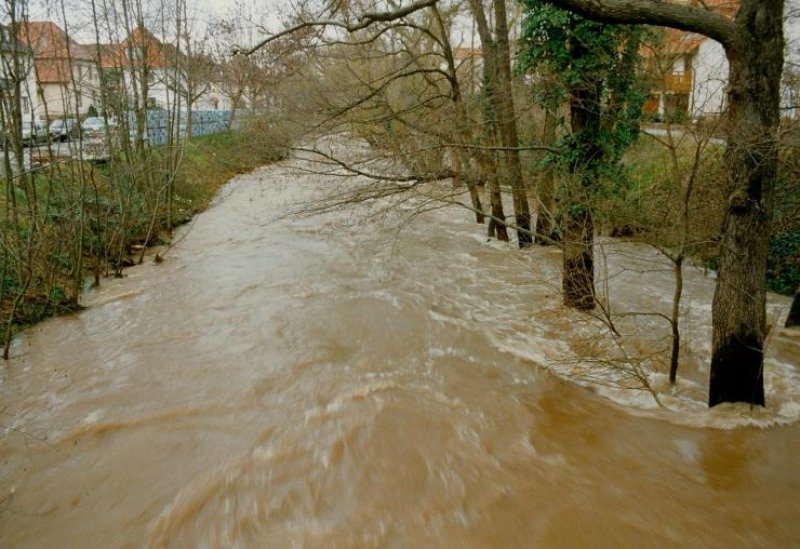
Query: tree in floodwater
(793, 318)
(594, 68)
(753, 42)
(498, 77)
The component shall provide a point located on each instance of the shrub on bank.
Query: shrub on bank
(71, 219)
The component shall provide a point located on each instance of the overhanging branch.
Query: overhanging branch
(657, 12)
(364, 21)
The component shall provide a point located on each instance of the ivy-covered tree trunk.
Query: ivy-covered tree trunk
(739, 308)
(578, 238)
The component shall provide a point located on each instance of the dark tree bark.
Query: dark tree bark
(498, 69)
(674, 358)
(739, 309)
(578, 239)
(754, 45)
(577, 280)
(794, 312)
(497, 222)
(507, 124)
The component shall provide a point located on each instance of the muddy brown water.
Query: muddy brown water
(316, 382)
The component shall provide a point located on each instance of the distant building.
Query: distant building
(687, 73)
(16, 65)
(66, 74)
(171, 77)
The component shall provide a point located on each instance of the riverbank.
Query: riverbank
(113, 220)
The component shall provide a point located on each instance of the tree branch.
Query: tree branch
(657, 12)
(363, 22)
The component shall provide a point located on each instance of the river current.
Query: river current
(374, 377)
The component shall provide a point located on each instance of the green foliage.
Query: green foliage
(783, 262)
(593, 59)
(57, 296)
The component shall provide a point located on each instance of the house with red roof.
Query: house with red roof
(687, 73)
(148, 71)
(67, 77)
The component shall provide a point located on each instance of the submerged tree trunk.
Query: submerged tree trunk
(794, 312)
(674, 359)
(754, 45)
(497, 222)
(507, 124)
(739, 308)
(497, 70)
(578, 237)
(475, 197)
(577, 281)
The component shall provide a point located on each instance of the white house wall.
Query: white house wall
(61, 99)
(790, 92)
(709, 80)
(710, 68)
(29, 99)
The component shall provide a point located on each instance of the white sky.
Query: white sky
(259, 13)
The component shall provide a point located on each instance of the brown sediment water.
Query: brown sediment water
(314, 381)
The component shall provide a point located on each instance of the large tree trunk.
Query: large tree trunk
(754, 45)
(578, 237)
(507, 124)
(751, 158)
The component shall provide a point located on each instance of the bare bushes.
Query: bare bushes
(81, 218)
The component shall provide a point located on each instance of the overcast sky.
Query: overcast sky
(260, 13)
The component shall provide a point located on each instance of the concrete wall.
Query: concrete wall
(204, 122)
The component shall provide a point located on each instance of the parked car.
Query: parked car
(64, 129)
(34, 132)
(96, 126)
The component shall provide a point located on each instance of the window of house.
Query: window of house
(679, 66)
(26, 106)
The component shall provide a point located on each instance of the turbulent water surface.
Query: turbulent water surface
(311, 381)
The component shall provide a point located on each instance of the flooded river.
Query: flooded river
(314, 381)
